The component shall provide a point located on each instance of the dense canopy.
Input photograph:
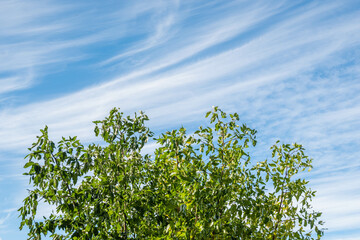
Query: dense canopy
(202, 185)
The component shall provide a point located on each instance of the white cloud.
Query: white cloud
(3, 219)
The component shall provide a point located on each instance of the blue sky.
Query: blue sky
(291, 69)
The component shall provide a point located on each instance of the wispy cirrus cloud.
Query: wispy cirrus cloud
(17, 82)
(54, 33)
(267, 50)
(161, 33)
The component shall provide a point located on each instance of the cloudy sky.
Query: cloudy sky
(291, 69)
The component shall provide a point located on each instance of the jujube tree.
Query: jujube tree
(194, 186)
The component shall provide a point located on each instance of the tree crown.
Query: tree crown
(195, 186)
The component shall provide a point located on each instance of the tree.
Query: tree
(198, 186)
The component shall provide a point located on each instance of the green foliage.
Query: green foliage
(198, 186)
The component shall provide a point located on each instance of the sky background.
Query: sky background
(291, 69)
